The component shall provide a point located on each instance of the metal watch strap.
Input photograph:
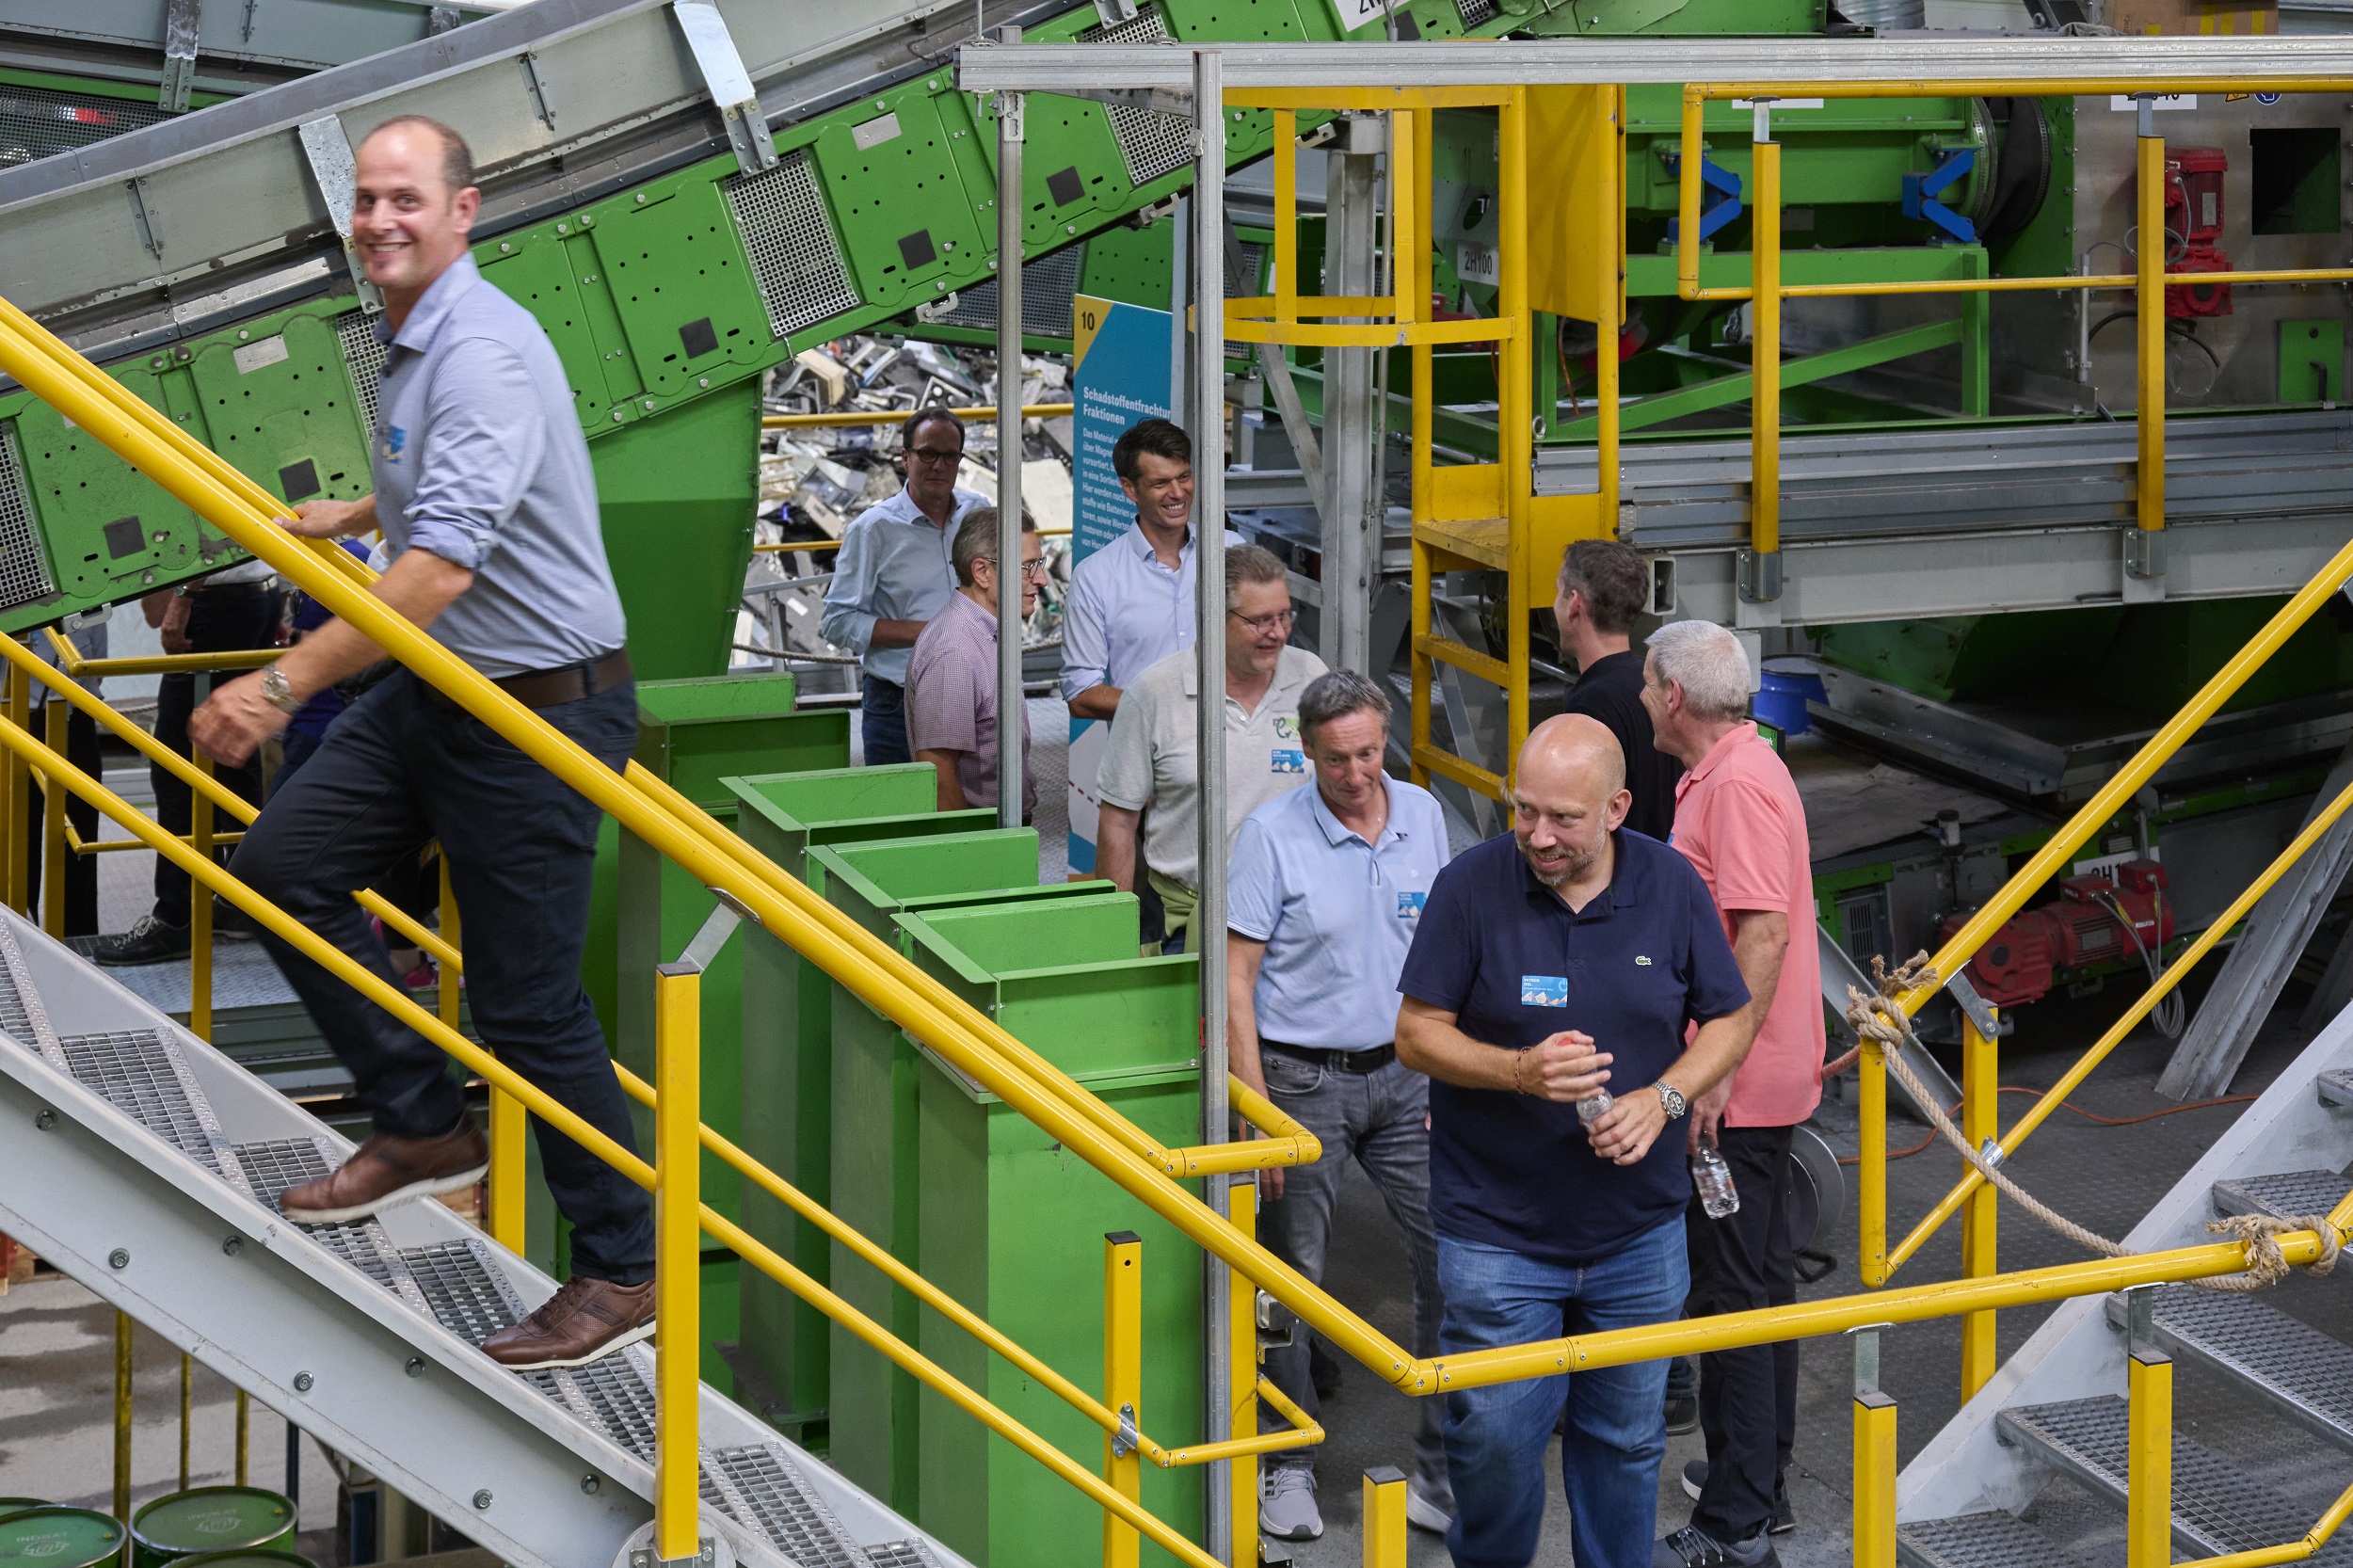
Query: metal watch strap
(278, 693)
(1673, 1099)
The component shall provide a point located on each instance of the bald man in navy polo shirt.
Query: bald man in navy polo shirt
(1550, 965)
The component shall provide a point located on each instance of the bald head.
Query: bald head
(1568, 797)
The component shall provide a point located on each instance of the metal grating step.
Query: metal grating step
(272, 1166)
(910, 1554)
(2285, 1194)
(2218, 1508)
(615, 1392)
(786, 1508)
(22, 1016)
(460, 1290)
(140, 1074)
(2302, 1372)
(2335, 1087)
(1991, 1540)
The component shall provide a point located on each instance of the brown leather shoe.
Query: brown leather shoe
(585, 1320)
(387, 1171)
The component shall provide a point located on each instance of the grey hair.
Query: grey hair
(1336, 694)
(1709, 663)
(976, 540)
(1249, 563)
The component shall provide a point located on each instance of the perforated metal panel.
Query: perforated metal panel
(785, 1505)
(36, 122)
(458, 1289)
(2218, 1508)
(1152, 144)
(795, 255)
(1993, 1540)
(139, 1075)
(24, 562)
(355, 331)
(1046, 287)
(1475, 13)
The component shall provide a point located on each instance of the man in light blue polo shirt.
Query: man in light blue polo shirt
(892, 576)
(1323, 898)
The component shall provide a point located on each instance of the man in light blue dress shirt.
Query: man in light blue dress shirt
(892, 575)
(1323, 898)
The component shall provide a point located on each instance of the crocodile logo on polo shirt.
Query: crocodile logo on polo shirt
(1642, 959)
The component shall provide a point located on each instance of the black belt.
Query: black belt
(1369, 1060)
(553, 688)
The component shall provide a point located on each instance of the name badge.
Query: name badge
(395, 442)
(1409, 905)
(1287, 761)
(1544, 990)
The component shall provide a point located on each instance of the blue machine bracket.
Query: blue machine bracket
(1713, 176)
(1921, 190)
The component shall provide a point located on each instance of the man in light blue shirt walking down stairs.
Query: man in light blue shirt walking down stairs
(1323, 896)
(892, 575)
(488, 509)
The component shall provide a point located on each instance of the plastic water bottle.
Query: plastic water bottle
(1712, 1178)
(1593, 1107)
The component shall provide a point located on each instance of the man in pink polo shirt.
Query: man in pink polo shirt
(1739, 822)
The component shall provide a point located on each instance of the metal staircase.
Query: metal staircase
(2056, 1408)
(148, 1166)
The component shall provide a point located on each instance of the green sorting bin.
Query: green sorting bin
(690, 734)
(52, 1537)
(17, 1505)
(787, 1072)
(246, 1557)
(875, 1146)
(209, 1519)
(1011, 1223)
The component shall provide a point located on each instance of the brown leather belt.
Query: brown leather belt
(553, 688)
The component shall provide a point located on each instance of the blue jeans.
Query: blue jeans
(403, 766)
(1378, 1118)
(883, 721)
(1615, 1433)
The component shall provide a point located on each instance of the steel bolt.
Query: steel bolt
(504, 247)
(482, 1498)
(617, 416)
(118, 1259)
(641, 197)
(45, 1120)
(589, 1485)
(232, 1246)
(563, 228)
(414, 1367)
(702, 380)
(303, 1382)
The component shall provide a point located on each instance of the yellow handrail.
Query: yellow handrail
(986, 413)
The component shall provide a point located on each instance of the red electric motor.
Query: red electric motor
(2017, 962)
(2193, 222)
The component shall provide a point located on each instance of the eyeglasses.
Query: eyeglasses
(1034, 570)
(1265, 623)
(925, 454)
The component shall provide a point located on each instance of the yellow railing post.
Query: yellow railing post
(187, 1402)
(2149, 1442)
(1123, 1387)
(1385, 1518)
(1871, 1161)
(1242, 1357)
(508, 1219)
(1981, 1102)
(1514, 433)
(20, 890)
(54, 855)
(678, 1258)
(245, 1435)
(1761, 567)
(199, 896)
(1874, 1458)
(2147, 538)
(122, 1417)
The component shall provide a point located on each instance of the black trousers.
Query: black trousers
(81, 871)
(220, 620)
(403, 766)
(1748, 1397)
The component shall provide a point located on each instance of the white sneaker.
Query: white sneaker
(1424, 1511)
(1287, 1504)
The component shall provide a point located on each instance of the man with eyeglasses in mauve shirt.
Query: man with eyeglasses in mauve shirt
(892, 575)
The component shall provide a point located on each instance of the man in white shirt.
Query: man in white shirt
(1152, 759)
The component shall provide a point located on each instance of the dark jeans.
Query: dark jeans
(883, 721)
(220, 620)
(1377, 1118)
(1748, 1397)
(81, 871)
(402, 767)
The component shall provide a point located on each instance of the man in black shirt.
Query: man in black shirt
(1603, 586)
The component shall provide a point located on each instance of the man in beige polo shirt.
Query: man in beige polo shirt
(1152, 759)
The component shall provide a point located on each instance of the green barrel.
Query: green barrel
(245, 1557)
(51, 1537)
(16, 1505)
(209, 1519)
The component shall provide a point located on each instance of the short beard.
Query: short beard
(1574, 867)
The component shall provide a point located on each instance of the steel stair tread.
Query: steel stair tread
(2218, 1508)
(2302, 1372)
(2284, 1194)
(2335, 1087)
(1995, 1539)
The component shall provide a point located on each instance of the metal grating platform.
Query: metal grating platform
(140, 1075)
(788, 236)
(2218, 1508)
(2283, 1195)
(2299, 1370)
(461, 1293)
(1991, 1540)
(796, 1518)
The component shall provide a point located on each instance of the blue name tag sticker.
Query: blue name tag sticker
(395, 442)
(1544, 990)
(1287, 761)
(1409, 905)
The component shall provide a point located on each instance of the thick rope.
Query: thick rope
(1881, 1018)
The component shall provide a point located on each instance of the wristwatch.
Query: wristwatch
(1673, 1099)
(277, 692)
